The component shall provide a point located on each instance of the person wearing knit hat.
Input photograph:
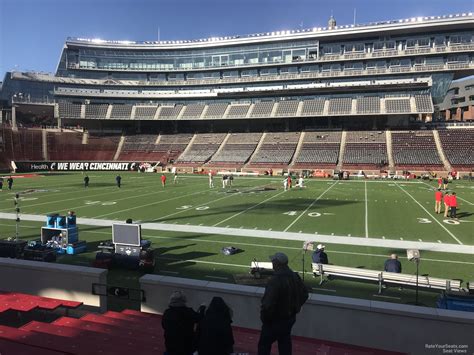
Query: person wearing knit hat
(179, 323)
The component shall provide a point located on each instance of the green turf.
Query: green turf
(392, 210)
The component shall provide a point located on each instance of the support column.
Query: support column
(14, 125)
(56, 116)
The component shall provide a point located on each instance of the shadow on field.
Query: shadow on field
(268, 208)
(184, 259)
(163, 250)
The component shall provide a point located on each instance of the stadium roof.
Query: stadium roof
(315, 32)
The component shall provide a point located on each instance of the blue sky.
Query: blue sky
(32, 32)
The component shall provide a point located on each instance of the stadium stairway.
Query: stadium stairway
(119, 333)
(342, 148)
(119, 147)
(297, 150)
(388, 138)
(441, 154)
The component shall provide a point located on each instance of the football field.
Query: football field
(360, 221)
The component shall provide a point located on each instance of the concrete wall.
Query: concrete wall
(67, 282)
(360, 322)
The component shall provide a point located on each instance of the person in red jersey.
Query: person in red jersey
(440, 183)
(163, 180)
(453, 205)
(289, 181)
(446, 201)
(438, 199)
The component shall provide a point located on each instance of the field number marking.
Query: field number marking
(314, 214)
(291, 213)
(424, 220)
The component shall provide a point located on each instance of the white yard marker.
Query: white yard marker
(307, 208)
(442, 226)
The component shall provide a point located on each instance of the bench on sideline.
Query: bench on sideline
(382, 277)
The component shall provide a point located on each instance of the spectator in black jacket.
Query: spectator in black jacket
(179, 323)
(284, 296)
(215, 331)
(319, 256)
(393, 264)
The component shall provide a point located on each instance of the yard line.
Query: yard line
(419, 204)
(119, 199)
(216, 277)
(151, 204)
(311, 205)
(249, 208)
(205, 204)
(366, 213)
(101, 193)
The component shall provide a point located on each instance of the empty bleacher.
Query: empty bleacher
(319, 150)
(145, 112)
(287, 108)
(340, 106)
(69, 109)
(202, 148)
(262, 109)
(237, 149)
(415, 149)
(313, 107)
(237, 111)
(192, 111)
(140, 147)
(276, 149)
(368, 104)
(424, 103)
(24, 144)
(170, 112)
(69, 146)
(216, 110)
(121, 111)
(96, 111)
(397, 105)
(458, 147)
(365, 149)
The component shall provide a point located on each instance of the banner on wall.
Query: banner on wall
(31, 166)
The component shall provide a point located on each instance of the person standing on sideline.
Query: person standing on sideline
(175, 177)
(1, 183)
(446, 199)
(438, 199)
(10, 182)
(440, 182)
(163, 180)
(453, 205)
(86, 181)
(319, 256)
(284, 296)
(211, 180)
(118, 180)
(178, 323)
(393, 264)
(285, 184)
(289, 181)
(445, 183)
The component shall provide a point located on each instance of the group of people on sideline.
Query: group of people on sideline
(450, 202)
(209, 331)
(9, 183)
